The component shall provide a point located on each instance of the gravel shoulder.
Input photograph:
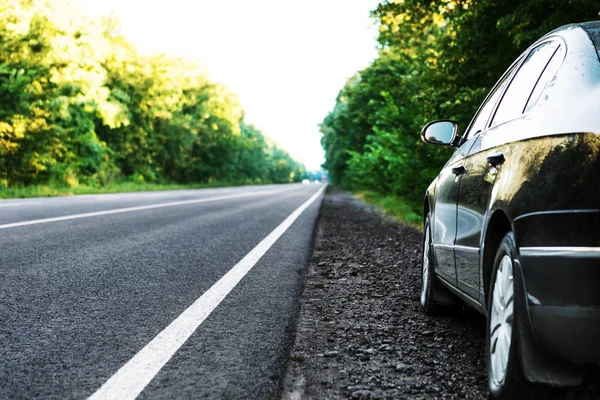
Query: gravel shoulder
(360, 332)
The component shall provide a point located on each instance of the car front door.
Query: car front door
(447, 190)
(444, 215)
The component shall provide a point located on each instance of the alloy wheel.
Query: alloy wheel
(501, 321)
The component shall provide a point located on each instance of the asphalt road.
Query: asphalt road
(88, 285)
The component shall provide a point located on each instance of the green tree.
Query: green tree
(437, 59)
(81, 104)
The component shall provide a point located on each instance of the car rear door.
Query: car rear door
(485, 158)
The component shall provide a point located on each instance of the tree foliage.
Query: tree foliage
(79, 104)
(437, 59)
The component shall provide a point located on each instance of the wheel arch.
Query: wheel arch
(498, 226)
(426, 209)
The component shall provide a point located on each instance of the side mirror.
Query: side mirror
(442, 132)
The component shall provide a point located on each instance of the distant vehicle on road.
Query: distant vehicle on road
(305, 181)
(512, 222)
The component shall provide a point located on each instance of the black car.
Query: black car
(512, 222)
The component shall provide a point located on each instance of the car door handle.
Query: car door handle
(496, 159)
(459, 170)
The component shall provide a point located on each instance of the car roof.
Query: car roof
(591, 28)
(584, 25)
(590, 25)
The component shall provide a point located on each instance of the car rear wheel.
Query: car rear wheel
(504, 376)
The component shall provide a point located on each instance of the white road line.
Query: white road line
(107, 198)
(129, 381)
(158, 195)
(24, 203)
(137, 208)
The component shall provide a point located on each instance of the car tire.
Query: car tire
(431, 288)
(505, 380)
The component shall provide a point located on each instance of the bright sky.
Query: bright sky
(286, 60)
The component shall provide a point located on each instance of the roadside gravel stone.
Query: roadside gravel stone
(360, 332)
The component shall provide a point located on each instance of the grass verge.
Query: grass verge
(394, 206)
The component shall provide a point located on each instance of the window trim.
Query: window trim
(550, 39)
(509, 70)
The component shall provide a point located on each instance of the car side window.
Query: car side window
(519, 90)
(479, 123)
(547, 75)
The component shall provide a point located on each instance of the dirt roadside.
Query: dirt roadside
(360, 332)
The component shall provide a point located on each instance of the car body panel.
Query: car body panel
(475, 191)
(444, 215)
